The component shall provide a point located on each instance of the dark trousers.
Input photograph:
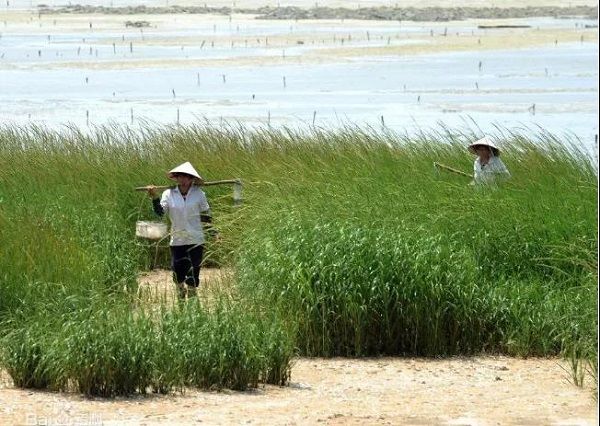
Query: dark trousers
(185, 263)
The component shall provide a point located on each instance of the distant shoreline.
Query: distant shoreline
(382, 13)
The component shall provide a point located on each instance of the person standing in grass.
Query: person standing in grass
(488, 167)
(188, 208)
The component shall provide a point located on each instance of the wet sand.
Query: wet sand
(257, 43)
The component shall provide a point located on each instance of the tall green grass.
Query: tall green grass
(349, 243)
(373, 252)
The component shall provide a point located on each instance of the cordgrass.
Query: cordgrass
(349, 243)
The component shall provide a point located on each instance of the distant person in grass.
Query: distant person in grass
(188, 208)
(488, 167)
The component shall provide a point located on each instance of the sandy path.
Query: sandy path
(472, 391)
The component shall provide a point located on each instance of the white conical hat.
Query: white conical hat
(186, 168)
(486, 141)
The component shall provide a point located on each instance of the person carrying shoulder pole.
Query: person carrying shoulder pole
(188, 208)
(488, 167)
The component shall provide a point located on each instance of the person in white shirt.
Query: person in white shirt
(488, 167)
(188, 208)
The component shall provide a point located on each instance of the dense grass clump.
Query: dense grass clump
(349, 243)
(108, 352)
(379, 254)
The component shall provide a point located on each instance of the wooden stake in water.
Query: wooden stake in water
(284, 85)
(178, 116)
(314, 117)
(131, 112)
(87, 118)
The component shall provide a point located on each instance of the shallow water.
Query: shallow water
(46, 77)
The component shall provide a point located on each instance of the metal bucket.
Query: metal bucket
(151, 230)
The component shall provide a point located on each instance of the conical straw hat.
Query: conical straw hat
(186, 168)
(485, 141)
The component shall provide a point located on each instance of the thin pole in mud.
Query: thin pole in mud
(131, 114)
(476, 86)
(177, 116)
(382, 121)
(130, 47)
(314, 117)
(269, 117)
(480, 65)
(87, 117)
(114, 49)
(224, 80)
(174, 95)
(198, 79)
(284, 85)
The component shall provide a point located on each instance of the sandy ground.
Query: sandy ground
(326, 3)
(319, 41)
(402, 391)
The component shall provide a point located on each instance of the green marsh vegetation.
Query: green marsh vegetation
(349, 243)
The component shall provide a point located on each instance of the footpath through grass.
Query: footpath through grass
(348, 243)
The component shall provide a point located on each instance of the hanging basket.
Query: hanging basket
(151, 230)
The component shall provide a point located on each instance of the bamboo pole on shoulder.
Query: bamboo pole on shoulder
(237, 187)
(451, 169)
